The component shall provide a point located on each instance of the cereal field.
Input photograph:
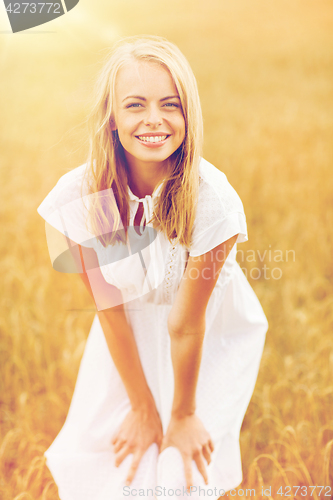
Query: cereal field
(265, 71)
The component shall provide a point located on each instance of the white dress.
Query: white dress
(81, 458)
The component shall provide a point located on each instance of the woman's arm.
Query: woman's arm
(120, 339)
(186, 324)
(142, 425)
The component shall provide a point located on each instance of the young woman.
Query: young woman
(174, 349)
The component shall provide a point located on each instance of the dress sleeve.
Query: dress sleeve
(66, 210)
(220, 215)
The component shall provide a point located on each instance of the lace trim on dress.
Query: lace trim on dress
(169, 279)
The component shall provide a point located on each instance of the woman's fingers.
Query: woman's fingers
(206, 453)
(198, 458)
(118, 445)
(211, 445)
(121, 455)
(188, 471)
(114, 438)
(135, 464)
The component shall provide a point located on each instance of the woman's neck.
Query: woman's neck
(143, 178)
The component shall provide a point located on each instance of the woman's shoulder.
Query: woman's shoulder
(215, 191)
(209, 174)
(220, 213)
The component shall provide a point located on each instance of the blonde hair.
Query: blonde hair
(174, 212)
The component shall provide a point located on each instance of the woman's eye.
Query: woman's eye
(134, 105)
(171, 104)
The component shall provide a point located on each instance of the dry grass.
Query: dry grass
(265, 76)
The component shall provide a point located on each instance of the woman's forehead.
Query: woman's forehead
(138, 77)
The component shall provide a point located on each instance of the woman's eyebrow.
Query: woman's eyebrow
(135, 97)
(170, 97)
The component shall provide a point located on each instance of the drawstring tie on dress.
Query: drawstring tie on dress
(151, 270)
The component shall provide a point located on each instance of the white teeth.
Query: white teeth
(152, 138)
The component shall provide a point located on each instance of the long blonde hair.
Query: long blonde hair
(174, 212)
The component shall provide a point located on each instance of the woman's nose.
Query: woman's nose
(153, 116)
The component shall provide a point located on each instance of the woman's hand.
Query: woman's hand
(140, 428)
(188, 434)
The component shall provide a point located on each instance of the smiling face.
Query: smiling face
(147, 114)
